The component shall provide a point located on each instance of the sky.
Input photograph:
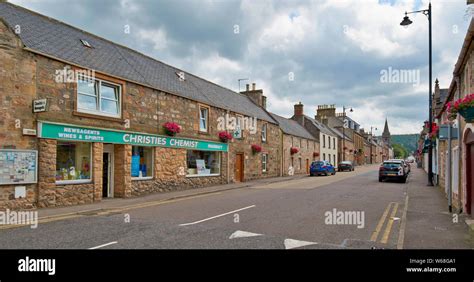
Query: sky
(342, 52)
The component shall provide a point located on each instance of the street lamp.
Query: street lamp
(406, 22)
(343, 132)
(371, 136)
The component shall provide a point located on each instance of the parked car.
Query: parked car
(345, 165)
(393, 169)
(321, 168)
(405, 164)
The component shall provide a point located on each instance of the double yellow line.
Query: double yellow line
(381, 223)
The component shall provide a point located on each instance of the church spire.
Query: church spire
(386, 133)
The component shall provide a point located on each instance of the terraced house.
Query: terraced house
(82, 119)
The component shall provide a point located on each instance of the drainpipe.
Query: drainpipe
(450, 196)
(228, 157)
(458, 95)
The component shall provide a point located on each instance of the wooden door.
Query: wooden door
(239, 167)
(470, 179)
(307, 166)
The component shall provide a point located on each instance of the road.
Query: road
(288, 214)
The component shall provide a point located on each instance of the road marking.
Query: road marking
(291, 243)
(389, 225)
(104, 245)
(220, 215)
(243, 234)
(375, 234)
(401, 234)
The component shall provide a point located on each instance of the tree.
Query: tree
(400, 151)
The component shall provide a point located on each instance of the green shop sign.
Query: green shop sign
(86, 134)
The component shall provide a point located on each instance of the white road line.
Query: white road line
(243, 234)
(291, 243)
(104, 245)
(220, 215)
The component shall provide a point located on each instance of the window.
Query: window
(329, 142)
(334, 143)
(299, 161)
(98, 97)
(142, 162)
(324, 156)
(264, 132)
(334, 158)
(203, 118)
(324, 141)
(203, 163)
(73, 162)
(238, 130)
(329, 155)
(264, 162)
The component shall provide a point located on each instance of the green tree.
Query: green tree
(399, 151)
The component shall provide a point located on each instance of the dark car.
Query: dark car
(393, 169)
(321, 168)
(405, 164)
(345, 165)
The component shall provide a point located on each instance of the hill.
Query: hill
(409, 141)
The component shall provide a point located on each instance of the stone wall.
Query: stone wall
(305, 153)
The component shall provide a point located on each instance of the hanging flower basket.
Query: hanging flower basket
(225, 136)
(171, 128)
(350, 151)
(256, 148)
(463, 106)
(315, 154)
(294, 150)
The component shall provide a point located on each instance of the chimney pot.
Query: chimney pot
(247, 87)
(253, 86)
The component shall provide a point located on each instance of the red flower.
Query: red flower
(225, 136)
(256, 148)
(171, 128)
(294, 150)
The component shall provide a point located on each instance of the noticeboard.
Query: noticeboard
(18, 167)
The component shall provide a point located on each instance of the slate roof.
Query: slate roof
(292, 127)
(339, 134)
(61, 41)
(322, 127)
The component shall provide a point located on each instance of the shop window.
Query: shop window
(142, 162)
(203, 163)
(203, 118)
(264, 162)
(98, 97)
(73, 162)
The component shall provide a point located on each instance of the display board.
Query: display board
(18, 166)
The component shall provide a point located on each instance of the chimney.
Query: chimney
(325, 111)
(248, 87)
(298, 110)
(264, 102)
(255, 95)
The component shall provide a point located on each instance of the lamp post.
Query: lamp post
(343, 131)
(371, 136)
(405, 22)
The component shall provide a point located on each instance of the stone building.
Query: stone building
(327, 139)
(82, 119)
(300, 148)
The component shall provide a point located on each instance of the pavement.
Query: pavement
(281, 213)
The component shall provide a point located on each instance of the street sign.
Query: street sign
(39, 105)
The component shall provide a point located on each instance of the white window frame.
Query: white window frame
(205, 119)
(264, 132)
(264, 162)
(77, 181)
(205, 175)
(99, 98)
(152, 165)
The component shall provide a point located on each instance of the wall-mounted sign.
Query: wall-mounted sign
(39, 105)
(30, 132)
(18, 166)
(87, 134)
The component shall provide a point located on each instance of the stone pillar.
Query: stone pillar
(97, 166)
(122, 173)
(47, 172)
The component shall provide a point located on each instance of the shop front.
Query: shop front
(83, 164)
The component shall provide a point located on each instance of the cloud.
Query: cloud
(334, 48)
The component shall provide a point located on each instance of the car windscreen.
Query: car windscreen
(318, 163)
(391, 165)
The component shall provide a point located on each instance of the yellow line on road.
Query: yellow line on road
(403, 223)
(386, 234)
(375, 234)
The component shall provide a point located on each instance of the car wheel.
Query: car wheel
(404, 179)
(380, 179)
